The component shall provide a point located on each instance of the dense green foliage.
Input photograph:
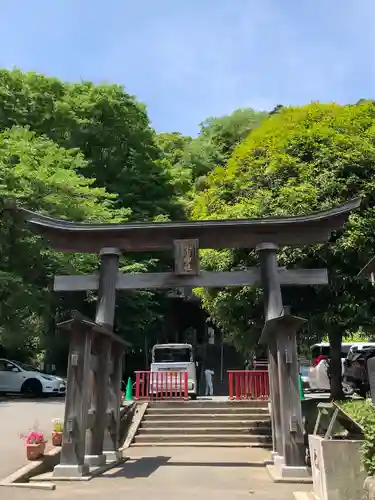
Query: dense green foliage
(110, 128)
(87, 152)
(173, 146)
(363, 412)
(40, 175)
(297, 161)
(216, 141)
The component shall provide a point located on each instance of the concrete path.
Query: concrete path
(17, 417)
(176, 473)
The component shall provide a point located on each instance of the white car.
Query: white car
(17, 377)
(318, 374)
(318, 371)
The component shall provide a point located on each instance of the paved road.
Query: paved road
(17, 417)
(159, 473)
(169, 473)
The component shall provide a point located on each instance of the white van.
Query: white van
(171, 361)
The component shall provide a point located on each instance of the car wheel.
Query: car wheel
(32, 387)
(347, 389)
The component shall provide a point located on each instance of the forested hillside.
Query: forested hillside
(88, 152)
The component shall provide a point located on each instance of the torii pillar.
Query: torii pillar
(108, 361)
(279, 333)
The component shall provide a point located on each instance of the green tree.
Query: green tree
(300, 160)
(119, 151)
(217, 139)
(39, 175)
(109, 126)
(173, 146)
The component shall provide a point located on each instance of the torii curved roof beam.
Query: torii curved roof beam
(69, 236)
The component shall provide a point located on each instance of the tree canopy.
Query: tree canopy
(39, 175)
(216, 141)
(110, 128)
(82, 151)
(297, 161)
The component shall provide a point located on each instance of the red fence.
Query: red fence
(161, 385)
(248, 384)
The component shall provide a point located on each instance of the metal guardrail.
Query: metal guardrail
(161, 385)
(248, 384)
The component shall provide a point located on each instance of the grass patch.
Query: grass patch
(363, 412)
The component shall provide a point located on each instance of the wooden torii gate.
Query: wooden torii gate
(265, 235)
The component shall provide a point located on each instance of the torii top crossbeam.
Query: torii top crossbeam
(68, 236)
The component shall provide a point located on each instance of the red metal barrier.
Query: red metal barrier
(161, 385)
(248, 384)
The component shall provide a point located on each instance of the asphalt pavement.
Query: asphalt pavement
(19, 416)
(183, 472)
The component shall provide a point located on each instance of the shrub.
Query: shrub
(363, 412)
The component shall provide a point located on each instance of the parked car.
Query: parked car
(318, 371)
(355, 372)
(16, 377)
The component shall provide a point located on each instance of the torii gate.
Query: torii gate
(264, 235)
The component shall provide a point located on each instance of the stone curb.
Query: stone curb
(277, 478)
(139, 412)
(20, 477)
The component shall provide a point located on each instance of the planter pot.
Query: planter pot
(56, 438)
(35, 451)
(336, 468)
(369, 489)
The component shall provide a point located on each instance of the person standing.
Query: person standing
(209, 384)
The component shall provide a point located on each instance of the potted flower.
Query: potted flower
(35, 445)
(57, 432)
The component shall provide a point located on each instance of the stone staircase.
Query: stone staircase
(205, 423)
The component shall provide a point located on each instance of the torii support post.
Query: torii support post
(280, 335)
(105, 313)
(85, 389)
(273, 307)
(111, 443)
(72, 461)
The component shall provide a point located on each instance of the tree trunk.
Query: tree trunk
(335, 367)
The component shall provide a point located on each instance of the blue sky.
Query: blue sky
(191, 59)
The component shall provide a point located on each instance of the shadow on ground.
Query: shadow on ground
(146, 466)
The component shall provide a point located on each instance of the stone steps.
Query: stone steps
(147, 430)
(214, 423)
(197, 444)
(181, 417)
(205, 423)
(203, 437)
(203, 404)
(208, 411)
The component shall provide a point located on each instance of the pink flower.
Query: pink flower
(34, 437)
